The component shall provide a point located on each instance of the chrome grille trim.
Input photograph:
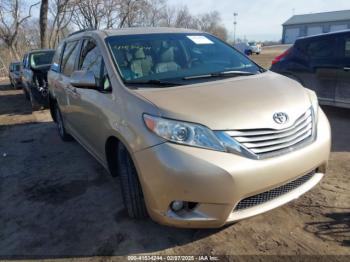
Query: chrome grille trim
(258, 132)
(273, 193)
(263, 143)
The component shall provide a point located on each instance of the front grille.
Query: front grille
(273, 193)
(265, 142)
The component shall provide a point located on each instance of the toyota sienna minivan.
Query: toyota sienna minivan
(199, 135)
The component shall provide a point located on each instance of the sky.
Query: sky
(260, 19)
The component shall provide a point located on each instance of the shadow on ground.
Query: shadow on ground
(339, 119)
(58, 201)
(335, 228)
(13, 102)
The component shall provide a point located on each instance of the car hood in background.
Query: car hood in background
(237, 103)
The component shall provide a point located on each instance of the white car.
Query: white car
(255, 48)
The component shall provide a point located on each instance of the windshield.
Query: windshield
(170, 57)
(41, 58)
(16, 67)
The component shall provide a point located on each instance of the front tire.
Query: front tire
(60, 125)
(131, 188)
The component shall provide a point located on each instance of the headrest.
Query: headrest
(167, 55)
(139, 54)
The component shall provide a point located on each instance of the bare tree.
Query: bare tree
(11, 20)
(61, 12)
(211, 23)
(89, 13)
(44, 8)
(154, 12)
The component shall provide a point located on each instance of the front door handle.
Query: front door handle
(346, 68)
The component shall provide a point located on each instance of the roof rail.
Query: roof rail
(81, 31)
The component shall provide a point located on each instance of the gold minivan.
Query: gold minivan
(199, 135)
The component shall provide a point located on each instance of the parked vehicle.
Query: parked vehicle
(15, 74)
(254, 48)
(36, 64)
(321, 63)
(244, 48)
(200, 135)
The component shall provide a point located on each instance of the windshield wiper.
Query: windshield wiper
(155, 82)
(219, 74)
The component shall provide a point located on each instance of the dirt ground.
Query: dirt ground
(56, 201)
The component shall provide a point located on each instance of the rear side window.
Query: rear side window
(70, 54)
(322, 47)
(91, 59)
(56, 60)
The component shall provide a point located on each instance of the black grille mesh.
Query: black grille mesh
(273, 193)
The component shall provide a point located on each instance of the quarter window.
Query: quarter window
(69, 57)
(322, 48)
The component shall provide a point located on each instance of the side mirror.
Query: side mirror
(83, 79)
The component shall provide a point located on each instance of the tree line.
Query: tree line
(26, 25)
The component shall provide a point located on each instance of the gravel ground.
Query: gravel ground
(56, 201)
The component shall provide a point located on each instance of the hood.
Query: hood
(247, 102)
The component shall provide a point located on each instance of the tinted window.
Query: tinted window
(70, 54)
(175, 56)
(91, 59)
(16, 67)
(41, 58)
(322, 47)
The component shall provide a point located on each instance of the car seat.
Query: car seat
(141, 64)
(167, 62)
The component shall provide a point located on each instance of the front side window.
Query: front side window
(41, 58)
(70, 55)
(175, 56)
(56, 60)
(91, 59)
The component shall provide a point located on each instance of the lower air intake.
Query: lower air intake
(273, 193)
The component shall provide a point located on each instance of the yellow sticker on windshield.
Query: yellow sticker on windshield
(200, 39)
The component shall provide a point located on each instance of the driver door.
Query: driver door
(91, 105)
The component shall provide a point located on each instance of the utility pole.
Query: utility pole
(234, 26)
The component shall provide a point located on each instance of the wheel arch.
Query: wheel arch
(111, 154)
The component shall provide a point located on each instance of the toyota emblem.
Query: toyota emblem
(280, 118)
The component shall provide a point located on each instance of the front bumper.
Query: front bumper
(218, 181)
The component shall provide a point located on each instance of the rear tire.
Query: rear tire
(60, 126)
(130, 184)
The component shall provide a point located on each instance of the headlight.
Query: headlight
(314, 102)
(183, 133)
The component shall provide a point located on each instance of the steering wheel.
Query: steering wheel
(193, 61)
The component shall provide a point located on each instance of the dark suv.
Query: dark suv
(321, 63)
(36, 64)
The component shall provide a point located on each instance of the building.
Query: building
(314, 24)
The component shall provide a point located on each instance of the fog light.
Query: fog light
(177, 205)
